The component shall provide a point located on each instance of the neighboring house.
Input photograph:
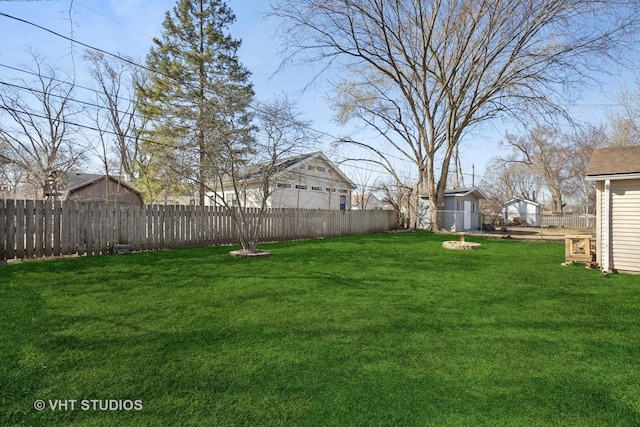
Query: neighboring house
(526, 210)
(307, 181)
(460, 211)
(616, 172)
(368, 202)
(92, 188)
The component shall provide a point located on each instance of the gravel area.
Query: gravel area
(555, 234)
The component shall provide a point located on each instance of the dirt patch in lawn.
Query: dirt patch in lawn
(552, 234)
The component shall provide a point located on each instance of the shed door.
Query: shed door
(467, 214)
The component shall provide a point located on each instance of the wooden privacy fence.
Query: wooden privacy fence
(36, 228)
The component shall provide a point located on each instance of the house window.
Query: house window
(343, 203)
(301, 187)
(321, 169)
(230, 199)
(316, 188)
(302, 167)
(344, 192)
(283, 185)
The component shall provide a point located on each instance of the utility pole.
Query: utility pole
(473, 175)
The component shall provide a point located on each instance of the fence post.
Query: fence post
(41, 228)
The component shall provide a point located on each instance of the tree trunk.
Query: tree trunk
(437, 191)
(556, 201)
(201, 173)
(436, 204)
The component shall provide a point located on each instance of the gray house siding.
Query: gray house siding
(460, 210)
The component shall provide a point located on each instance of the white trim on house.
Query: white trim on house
(612, 177)
(606, 232)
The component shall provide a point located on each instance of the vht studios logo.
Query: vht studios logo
(88, 405)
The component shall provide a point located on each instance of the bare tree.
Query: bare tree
(404, 201)
(243, 179)
(115, 114)
(11, 174)
(625, 120)
(423, 73)
(584, 142)
(549, 153)
(361, 200)
(505, 179)
(41, 125)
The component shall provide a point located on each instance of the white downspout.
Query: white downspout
(606, 232)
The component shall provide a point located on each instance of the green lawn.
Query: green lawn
(386, 329)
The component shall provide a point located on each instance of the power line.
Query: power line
(72, 40)
(15, 86)
(344, 158)
(74, 85)
(131, 62)
(114, 20)
(90, 104)
(53, 79)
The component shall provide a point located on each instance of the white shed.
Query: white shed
(526, 210)
(616, 171)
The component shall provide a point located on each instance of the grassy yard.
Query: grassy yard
(359, 331)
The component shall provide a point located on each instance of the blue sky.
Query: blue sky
(127, 26)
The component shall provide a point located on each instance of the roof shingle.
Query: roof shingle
(614, 161)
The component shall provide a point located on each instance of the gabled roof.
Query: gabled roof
(79, 180)
(291, 164)
(614, 162)
(519, 199)
(460, 192)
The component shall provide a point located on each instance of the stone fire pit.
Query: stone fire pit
(242, 254)
(460, 245)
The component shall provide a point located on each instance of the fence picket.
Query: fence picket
(29, 229)
(19, 227)
(36, 229)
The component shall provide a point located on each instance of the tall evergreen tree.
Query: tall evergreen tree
(198, 92)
